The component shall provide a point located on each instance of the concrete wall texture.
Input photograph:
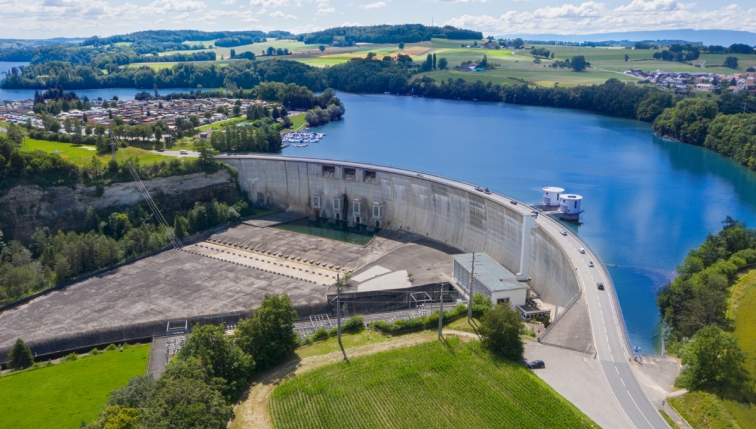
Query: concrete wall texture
(441, 209)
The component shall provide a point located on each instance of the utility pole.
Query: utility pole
(338, 314)
(470, 290)
(441, 311)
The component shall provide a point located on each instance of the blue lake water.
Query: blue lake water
(647, 201)
(92, 94)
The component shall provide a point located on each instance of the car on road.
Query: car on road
(419, 175)
(487, 191)
(479, 188)
(563, 232)
(161, 150)
(581, 250)
(536, 364)
(590, 264)
(183, 152)
(600, 285)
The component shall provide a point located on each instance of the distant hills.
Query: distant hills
(707, 37)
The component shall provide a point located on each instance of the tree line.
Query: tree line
(406, 33)
(720, 126)
(100, 240)
(694, 310)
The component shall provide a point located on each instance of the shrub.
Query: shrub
(333, 332)
(70, 357)
(419, 322)
(356, 323)
(111, 347)
(320, 334)
(95, 351)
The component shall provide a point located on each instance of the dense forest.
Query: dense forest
(239, 74)
(406, 33)
(720, 126)
(130, 48)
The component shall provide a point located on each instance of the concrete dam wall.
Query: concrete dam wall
(448, 211)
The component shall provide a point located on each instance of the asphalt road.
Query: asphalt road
(613, 350)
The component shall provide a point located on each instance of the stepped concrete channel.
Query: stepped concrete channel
(461, 216)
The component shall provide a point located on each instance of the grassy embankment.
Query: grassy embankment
(706, 410)
(82, 154)
(65, 394)
(435, 384)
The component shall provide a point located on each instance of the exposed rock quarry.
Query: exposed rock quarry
(27, 207)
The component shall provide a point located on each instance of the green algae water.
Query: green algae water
(647, 201)
(322, 229)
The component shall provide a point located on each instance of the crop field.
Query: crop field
(546, 77)
(81, 155)
(65, 394)
(436, 384)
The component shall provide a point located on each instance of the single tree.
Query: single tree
(578, 63)
(711, 357)
(180, 225)
(434, 61)
(233, 53)
(205, 150)
(20, 356)
(731, 62)
(500, 329)
(401, 45)
(268, 336)
(442, 64)
(627, 57)
(322, 48)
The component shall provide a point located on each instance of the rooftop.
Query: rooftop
(489, 272)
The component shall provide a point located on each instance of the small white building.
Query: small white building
(569, 207)
(551, 195)
(491, 279)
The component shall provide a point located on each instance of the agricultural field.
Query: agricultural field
(82, 154)
(257, 48)
(435, 384)
(65, 394)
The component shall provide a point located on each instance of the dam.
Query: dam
(443, 210)
(418, 221)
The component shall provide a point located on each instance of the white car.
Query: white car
(581, 250)
(590, 264)
(183, 152)
(563, 232)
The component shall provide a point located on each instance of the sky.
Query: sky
(39, 19)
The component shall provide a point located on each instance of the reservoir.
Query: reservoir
(647, 201)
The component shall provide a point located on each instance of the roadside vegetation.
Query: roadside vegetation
(64, 394)
(708, 310)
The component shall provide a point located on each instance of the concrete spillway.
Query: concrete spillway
(448, 211)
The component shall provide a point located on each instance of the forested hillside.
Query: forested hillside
(405, 33)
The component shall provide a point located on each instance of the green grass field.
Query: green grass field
(707, 410)
(65, 394)
(81, 155)
(435, 384)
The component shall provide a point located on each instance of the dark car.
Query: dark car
(600, 286)
(536, 364)
(161, 150)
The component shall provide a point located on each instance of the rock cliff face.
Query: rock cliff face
(27, 207)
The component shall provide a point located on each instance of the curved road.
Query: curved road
(609, 334)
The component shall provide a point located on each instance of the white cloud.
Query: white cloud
(350, 24)
(374, 5)
(268, 3)
(596, 17)
(228, 2)
(279, 14)
(326, 11)
(262, 11)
